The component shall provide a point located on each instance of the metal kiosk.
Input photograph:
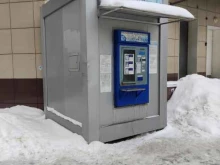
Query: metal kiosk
(105, 67)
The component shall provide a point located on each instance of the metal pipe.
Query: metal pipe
(176, 2)
(111, 11)
(150, 117)
(129, 20)
(143, 22)
(178, 20)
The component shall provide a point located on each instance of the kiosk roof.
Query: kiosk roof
(148, 8)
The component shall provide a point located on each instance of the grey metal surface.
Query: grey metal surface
(120, 131)
(138, 119)
(92, 33)
(66, 87)
(44, 61)
(54, 66)
(192, 47)
(130, 20)
(163, 74)
(75, 90)
(72, 28)
(108, 114)
(163, 71)
(155, 15)
(52, 6)
(65, 123)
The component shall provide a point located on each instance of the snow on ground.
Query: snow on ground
(196, 105)
(192, 136)
(171, 84)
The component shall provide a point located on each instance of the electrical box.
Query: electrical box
(131, 57)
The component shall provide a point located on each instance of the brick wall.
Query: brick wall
(204, 11)
(173, 51)
(20, 53)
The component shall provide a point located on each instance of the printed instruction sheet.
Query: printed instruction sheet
(105, 73)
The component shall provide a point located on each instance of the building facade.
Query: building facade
(20, 50)
(20, 53)
(207, 13)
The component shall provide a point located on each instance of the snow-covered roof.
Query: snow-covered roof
(148, 8)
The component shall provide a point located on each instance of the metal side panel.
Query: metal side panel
(44, 60)
(65, 63)
(52, 6)
(65, 123)
(163, 73)
(92, 33)
(54, 62)
(120, 131)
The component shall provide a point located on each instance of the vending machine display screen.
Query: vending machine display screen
(129, 70)
(134, 65)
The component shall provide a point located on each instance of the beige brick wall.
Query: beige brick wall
(20, 52)
(173, 48)
(204, 11)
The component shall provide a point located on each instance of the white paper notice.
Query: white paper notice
(105, 73)
(105, 64)
(153, 57)
(105, 82)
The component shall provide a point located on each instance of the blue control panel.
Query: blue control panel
(131, 69)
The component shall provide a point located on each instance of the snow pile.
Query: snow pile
(196, 104)
(26, 112)
(149, 7)
(26, 137)
(172, 84)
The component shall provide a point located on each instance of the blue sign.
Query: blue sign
(133, 37)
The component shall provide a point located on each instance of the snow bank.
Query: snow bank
(27, 112)
(26, 137)
(149, 7)
(196, 104)
(171, 84)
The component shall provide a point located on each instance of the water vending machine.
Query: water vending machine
(131, 69)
